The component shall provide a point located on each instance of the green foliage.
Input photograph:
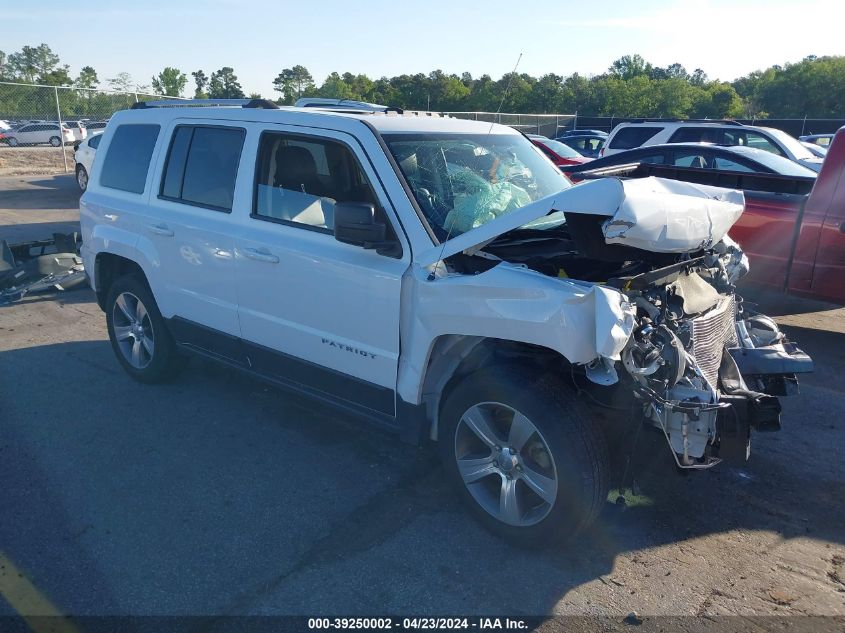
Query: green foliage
(201, 81)
(293, 83)
(814, 87)
(224, 85)
(631, 87)
(121, 82)
(87, 78)
(170, 82)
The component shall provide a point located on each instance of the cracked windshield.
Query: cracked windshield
(462, 181)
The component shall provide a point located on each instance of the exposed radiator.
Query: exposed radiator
(710, 334)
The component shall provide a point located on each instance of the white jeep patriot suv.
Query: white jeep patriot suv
(442, 278)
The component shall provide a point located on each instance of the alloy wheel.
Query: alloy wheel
(506, 464)
(133, 330)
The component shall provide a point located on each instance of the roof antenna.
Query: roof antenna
(505, 94)
(431, 275)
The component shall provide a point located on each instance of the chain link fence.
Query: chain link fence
(545, 124)
(39, 124)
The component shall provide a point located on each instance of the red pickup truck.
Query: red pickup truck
(793, 229)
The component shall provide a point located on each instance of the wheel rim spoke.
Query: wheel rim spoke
(148, 344)
(136, 353)
(476, 419)
(544, 487)
(474, 469)
(509, 503)
(124, 307)
(140, 312)
(122, 332)
(521, 430)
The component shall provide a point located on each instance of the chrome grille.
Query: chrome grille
(710, 334)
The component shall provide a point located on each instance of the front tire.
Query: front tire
(138, 334)
(13, 142)
(55, 141)
(81, 178)
(524, 455)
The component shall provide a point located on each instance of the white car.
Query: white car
(39, 134)
(77, 129)
(441, 278)
(84, 156)
(655, 132)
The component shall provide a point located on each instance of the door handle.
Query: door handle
(160, 229)
(261, 255)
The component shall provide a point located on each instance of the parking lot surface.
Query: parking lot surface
(218, 495)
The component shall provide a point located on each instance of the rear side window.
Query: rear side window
(631, 137)
(697, 135)
(127, 160)
(94, 143)
(202, 166)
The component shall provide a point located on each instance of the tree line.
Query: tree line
(631, 87)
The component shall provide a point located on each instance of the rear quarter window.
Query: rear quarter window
(697, 135)
(631, 137)
(127, 160)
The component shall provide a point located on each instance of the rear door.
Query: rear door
(315, 312)
(188, 225)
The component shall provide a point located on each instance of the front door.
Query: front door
(314, 311)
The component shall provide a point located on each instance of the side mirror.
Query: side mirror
(355, 223)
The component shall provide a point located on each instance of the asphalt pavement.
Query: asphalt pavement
(217, 495)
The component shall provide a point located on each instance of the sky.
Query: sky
(258, 38)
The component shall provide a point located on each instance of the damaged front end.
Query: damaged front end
(705, 366)
(702, 365)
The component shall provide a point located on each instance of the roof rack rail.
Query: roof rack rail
(720, 121)
(207, 103)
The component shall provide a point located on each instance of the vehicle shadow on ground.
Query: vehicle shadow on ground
(217, 495)
(55, 192)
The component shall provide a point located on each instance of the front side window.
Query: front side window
(631, 137)
(462, 181)
(300, 179)
(202, 166)
(127, 160)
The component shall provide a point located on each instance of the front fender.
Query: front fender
(580, 320)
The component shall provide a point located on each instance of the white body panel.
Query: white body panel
(582, 321)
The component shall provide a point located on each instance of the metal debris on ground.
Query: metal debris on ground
(39, 265)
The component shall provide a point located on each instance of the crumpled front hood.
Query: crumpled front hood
(653, 214)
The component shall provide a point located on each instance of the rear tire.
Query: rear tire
(55, 141)
(524, 455)
(81, 178)
(13, 142)
(139, 336)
